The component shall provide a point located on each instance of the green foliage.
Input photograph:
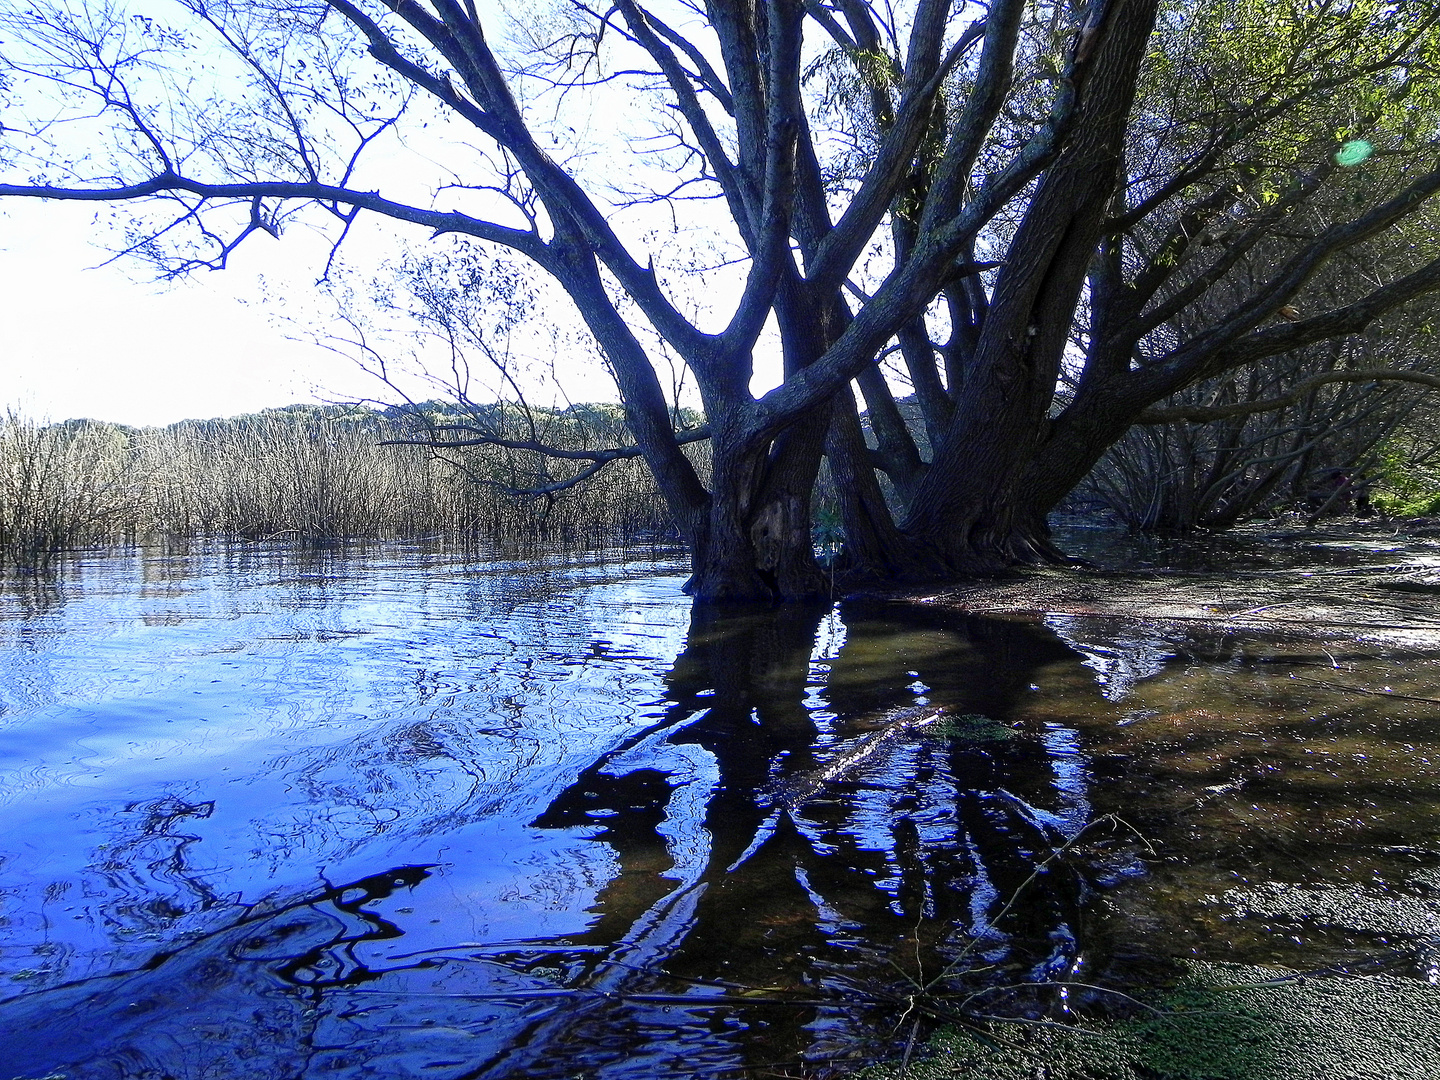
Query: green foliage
(827, 531)
(971, 727)
(1409, 481)
(1287, 86)
(842, 82)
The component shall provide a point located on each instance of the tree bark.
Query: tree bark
(757, 543)
(973, 511)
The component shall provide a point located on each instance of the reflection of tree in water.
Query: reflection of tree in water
(146, 883)
(963, 820)
(241, 999)
(148, 870)
(907, 861)
(727, 917)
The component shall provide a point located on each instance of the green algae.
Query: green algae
(970, 727)
(1222, 1022)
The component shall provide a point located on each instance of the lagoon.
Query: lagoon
(392, 811)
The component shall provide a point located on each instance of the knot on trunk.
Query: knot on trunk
(772, 530)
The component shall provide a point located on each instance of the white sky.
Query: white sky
(78, 339)
(111, 344)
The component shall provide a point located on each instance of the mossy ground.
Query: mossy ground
(1222, 1023)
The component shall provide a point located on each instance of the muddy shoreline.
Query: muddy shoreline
(1353, 883)
(1376, 584)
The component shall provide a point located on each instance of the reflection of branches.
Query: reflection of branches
(162, 850)
(739, 692)
(308, 969)
(931, 999)
(349, 898)
(1056, 854)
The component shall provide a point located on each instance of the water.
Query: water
(404, 813)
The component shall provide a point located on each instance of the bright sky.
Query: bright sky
(110, 344)
(78, 339)
(107, 342)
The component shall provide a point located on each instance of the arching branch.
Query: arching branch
(1204, 414)
(461, 436)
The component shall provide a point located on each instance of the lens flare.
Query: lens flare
(1353, 153)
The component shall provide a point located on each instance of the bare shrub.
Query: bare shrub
(63, 486)
(303, 473)
(1315, 457)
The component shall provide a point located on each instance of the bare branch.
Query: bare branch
(1204, 414)
(459, 436)
(882, 181)
(439, 222)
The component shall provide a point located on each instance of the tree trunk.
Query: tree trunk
(875, 550)
(974, 509)
(757, 543)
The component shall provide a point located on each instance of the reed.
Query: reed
(63, 486)
(307, 474)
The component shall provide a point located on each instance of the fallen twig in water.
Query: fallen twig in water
(1365, 690)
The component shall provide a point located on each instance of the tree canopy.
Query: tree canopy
(1041, 219)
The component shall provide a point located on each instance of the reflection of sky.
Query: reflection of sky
(251, 726)
(1120, 653)
(1072, 779)
(338, 716)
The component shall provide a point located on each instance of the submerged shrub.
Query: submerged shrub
(63, 486)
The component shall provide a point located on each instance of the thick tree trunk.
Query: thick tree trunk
(974, 509)
(875, 550)
(760, 545)
(781, 526)
(979, 506)
(757, 544)
(765, 555)
(722, 555)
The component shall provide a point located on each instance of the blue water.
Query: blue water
(398, 813)
(407, 813)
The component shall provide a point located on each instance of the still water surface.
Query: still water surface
(405, 813)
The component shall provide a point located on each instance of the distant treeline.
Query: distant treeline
(314, 474)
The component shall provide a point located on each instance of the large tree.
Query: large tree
(1011, 205)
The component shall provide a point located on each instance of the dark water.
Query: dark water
(410, 814)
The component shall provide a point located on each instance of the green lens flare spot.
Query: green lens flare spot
(1353, 153)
